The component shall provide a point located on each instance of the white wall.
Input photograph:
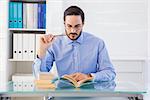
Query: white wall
(3, 43)
(121, 23)
(54, 17)
(149, 32)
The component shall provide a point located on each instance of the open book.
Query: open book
(74, 82)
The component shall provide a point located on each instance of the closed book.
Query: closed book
(46, 76)
(50, 86)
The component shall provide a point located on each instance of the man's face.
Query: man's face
(73, 26)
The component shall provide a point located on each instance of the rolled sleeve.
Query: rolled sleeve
(105, 69)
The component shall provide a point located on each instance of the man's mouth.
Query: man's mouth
(73, 34)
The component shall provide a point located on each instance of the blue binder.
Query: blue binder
(44, 22)
(11, 23)
(42, 16)
(15, 14)
(20, 15)
(39, 16)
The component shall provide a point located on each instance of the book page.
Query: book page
(72, 80)
(84, 80)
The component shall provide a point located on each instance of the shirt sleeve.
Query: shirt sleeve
(105, 70)
(43, 65)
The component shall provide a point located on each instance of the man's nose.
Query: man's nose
(73, 30)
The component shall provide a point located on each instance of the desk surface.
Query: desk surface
(93, 89)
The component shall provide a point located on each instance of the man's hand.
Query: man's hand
(44, 43)
(80, 76)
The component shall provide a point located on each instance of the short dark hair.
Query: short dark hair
(74, 10)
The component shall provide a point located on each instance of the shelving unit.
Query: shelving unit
(27, 30)
(30, 1)
(20, 60)
(23, 66)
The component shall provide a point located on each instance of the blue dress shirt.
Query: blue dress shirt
(87, 55)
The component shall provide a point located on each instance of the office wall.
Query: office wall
(121, 23)
(149, 41)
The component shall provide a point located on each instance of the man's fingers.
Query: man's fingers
(73, 75)
(43, 39)
(47, 38)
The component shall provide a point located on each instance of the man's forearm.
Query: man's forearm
(105, 75)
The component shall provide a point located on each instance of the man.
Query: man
(78, 53)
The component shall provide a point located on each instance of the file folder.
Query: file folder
(35, 18)
(19, 53)
(44, 22)
(25, 46)
(39, 16)
(30, 16)
(11, 23)
(15, 6)
(24, 15)
(20, 15)
(31, 46)
(15, 37)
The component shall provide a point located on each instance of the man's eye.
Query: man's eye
(77, 26)
(69, 26)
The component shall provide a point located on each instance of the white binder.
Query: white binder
(15, 42)
(25, 46)
(35, 14)
(30, 16)
(31, 46)
(19, 42)
(24, 15)
(37, 42)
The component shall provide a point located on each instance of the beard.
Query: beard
(73, 36)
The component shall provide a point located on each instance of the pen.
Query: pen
(60, 35)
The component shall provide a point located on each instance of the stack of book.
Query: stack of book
(45, 81)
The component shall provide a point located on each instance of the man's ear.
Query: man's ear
(83, 23)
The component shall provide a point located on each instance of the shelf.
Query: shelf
(27, 30)
(29, 1)
(20, 60)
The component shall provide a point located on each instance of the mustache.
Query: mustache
(73, 34)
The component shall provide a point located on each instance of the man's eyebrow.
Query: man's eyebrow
(75, 25)
(69, 25)
(78, 25)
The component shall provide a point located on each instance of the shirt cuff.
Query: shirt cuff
(36, 67)
(93, 75)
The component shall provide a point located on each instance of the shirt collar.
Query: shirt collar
(79, 40)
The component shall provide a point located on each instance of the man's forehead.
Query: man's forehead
(73, 20)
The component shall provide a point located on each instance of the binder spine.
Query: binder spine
(20, 13)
